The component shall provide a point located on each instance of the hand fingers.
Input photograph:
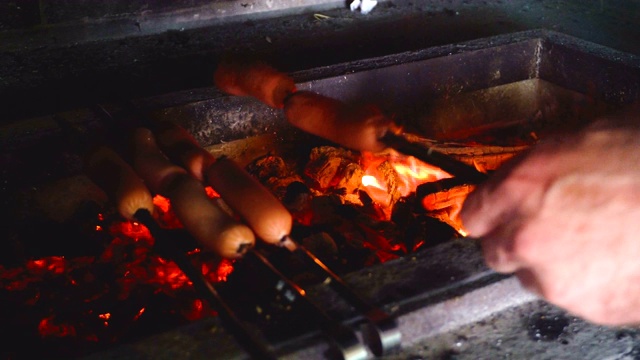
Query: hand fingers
(529, 280)
(498, 248)
(486, 207)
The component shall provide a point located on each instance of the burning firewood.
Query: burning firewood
(391, 182)
(351, 180)
(273, 172)
(326, 166)
(484, 157)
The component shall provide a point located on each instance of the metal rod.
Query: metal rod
(431, 156)
(381, 333)
(344, 338)
(165, 246)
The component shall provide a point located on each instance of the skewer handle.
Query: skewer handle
(343, 338)
(381, 332)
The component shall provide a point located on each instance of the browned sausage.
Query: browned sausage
(355, 127)
(215, 229)
(183, 148)
(264, 213)
(119, 181)
(241, 77)
(150, 163)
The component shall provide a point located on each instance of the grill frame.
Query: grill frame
(428, 303)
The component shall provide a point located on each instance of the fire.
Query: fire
(211, 193)
(447, 205)
(53, 264)
(393, 172)
(370, 180)
(391, 175)
(413, 172)
(162, 203)
(140, 312)
(218, 273)
(105, 317)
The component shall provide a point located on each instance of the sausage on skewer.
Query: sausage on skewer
(272, 222)
(209, 224)
(116, 177)
(355, 127)
(241, 77)
(183, 148)
(133, 199)
(239, 190)
(359, 127)
(264, 213)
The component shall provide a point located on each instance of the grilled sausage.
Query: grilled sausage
(355, 127)
(244, 194)
(119, 181)
(253, 78)
(264, 213)
(183, 148)
(151, 164)
(215, 229)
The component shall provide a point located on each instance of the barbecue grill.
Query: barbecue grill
(506, 90)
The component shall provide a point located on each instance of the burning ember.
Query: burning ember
(82, 304)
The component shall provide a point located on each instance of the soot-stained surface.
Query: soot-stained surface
(532, 331)
(53, 66)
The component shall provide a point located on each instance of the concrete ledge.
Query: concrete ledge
(79, 29)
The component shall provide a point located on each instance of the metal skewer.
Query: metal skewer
(343, 338)
(381, 333)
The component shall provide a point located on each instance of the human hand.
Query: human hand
(565, 218)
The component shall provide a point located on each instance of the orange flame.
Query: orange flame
(408, 173)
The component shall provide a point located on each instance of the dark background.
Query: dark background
(57, 55)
